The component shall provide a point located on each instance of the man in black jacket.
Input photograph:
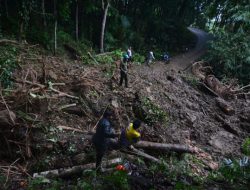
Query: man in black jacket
(102, 138)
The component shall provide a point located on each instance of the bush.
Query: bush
(246, 146)
(138, 58)
(154, 113)
(230, 56)
(235, 176)
(116, 180)
(8, 64)
(37, 35)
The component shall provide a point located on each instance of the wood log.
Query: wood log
(142, 154)
(103, 54)
(165, 147)
(197, 69)
(225, 107)
(6, 41)
(64, 172)
(209, 89)
(74, 110)
(66, 106)
(70, 129)
(91, 56)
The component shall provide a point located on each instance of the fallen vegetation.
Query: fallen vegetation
(52, 105)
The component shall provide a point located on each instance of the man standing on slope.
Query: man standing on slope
(124, 70)
(102, 138)
(150, 58)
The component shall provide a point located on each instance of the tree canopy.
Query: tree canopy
(106, 25)
(141, 24)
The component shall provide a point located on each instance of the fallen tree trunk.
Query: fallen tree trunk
(5, 41)
(165, 147)
(103, 54)
(91, 56)
(137, 152)
(225, 107)
(64, 172)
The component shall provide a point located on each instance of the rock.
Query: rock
(52, 75)
(114, 103)
(224, 142)
(148, 89)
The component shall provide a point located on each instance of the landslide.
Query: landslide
(50, 92)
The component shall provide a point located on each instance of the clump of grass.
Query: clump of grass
(154, 113)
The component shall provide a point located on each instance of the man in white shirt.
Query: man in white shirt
(150, 58)
(129, 52)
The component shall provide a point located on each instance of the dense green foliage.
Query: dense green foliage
(230, 51)
(154, 112)
(246, 146)
(233, 177)
(159, 25)
(142, 24)
(8, 63)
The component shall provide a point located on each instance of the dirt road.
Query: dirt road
(178, 63)
(182, 61)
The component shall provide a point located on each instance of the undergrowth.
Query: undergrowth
(246, 146)
(154, 112)
(8, 63)
(192, 80)
(89, 181)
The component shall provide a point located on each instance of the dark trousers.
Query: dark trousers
(101, 150)
(124, 76)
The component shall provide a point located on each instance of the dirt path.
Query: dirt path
(182, 61)
(178, 63)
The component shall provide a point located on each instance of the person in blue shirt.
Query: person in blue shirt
(166, 57)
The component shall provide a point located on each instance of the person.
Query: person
(130, 135)
(166, 57)
(129, 52)
(124, 70)
(150, 58)
(102, 138)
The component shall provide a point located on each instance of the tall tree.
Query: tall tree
(6, 8)
(24, 11)
(43, 12)
(55, 26)
(77, 21)
(105, 9)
